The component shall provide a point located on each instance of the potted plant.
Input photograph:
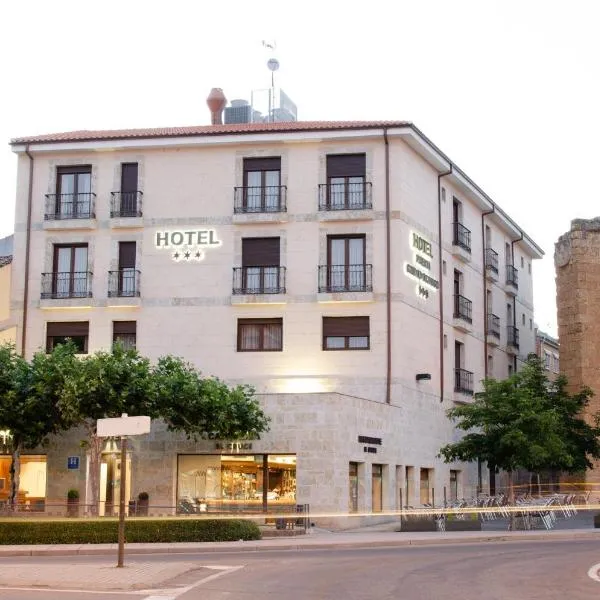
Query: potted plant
(142, 504)
(73, 503)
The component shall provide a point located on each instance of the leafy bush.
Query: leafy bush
(143, 496)
(73, 494)
(105, 531)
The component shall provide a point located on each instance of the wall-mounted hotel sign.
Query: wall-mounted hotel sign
(187, 245)
(420, 268)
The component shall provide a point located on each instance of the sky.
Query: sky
(509, 90)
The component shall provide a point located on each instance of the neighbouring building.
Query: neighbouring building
(548, 350)
(351, 272)
(577, 262)
(8, 330)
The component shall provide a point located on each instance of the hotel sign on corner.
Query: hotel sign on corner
(420, 268)
(188, 245)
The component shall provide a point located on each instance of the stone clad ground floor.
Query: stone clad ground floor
(339, 454)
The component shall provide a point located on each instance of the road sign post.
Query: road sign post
(122, 427)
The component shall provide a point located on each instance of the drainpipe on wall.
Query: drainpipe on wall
(485, 306)
(441, 278)
(512, 256)
(27, 249)
(388, 271)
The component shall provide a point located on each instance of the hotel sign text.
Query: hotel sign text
(187, 245)
(420, 269)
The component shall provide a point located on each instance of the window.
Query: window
(547, 361)
(127, 279)
(522, 263)
(346, 270)
(530, 324)
(458, 355)
(346, 186)
(488, 237)
(523, 319)
(70, 277)
(461, 235)
(125, 333)
(346, 333)
(454, 485)
(260, 272)
(73, 192)
(529, 267)
(508, 254)
(443, 194)
(262, 181)
(260, 335)
(490, 366)
(424, 486)
(353, 487)
(409, 486)
(377, 488)
(127, 202)
(510, 370)
(75, 331)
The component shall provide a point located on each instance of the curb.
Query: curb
(337, 545)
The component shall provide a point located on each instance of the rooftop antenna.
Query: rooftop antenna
(272, 65)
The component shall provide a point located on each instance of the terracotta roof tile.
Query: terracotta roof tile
(204, 130)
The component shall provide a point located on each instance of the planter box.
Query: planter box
(424, 524)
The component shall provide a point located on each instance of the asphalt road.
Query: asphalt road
(489, 571)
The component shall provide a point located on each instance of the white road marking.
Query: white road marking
(594, 572)
(71, 591)
(160, 594)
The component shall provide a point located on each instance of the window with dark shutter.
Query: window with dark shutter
(262, 164)
(125, 333)
(62, 331)
(260, 335)
(261, 190)
(346, 333)
(260, 252)
(346, 165)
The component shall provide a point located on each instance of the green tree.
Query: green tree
(109, 384)
(526, 422)
(30, 394)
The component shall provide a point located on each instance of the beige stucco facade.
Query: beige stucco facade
(319, 401)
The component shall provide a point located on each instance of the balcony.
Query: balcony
(70, 211)
(512, 280)
(335, 279)
(126, 205)
(259, 203)
(493, 330)
(463, 313)
(259, 280)
(66, 285)
(461, 242)
(124, 283)
(491, 264)
(512, 339)
(463, 381)
(345, 196)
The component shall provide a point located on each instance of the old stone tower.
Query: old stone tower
(577, 262)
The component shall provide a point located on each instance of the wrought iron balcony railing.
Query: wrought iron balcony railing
(463, 308)
(260, 199)
(493, 325)
(345, 196)
(69, 206)
(259, 280)
(124, 283)
(512, 336)
(463, 381)
(512, 276)
(345, 278)
(462, 236)
(69, 284)
(126, 204)
(491, 260)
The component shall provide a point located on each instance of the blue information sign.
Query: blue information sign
(73, 462)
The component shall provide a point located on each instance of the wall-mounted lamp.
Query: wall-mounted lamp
(423, 376)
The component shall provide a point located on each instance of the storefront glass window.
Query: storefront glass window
(231, 482)
(424, 490)
(32, 488)
(377, 488)
(353, 474)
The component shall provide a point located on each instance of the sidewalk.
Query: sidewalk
(314, 541)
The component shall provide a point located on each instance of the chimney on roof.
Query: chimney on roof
(216, 103)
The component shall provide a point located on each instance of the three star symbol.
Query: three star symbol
(187, 255)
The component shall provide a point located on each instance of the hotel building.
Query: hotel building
(351, 272)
